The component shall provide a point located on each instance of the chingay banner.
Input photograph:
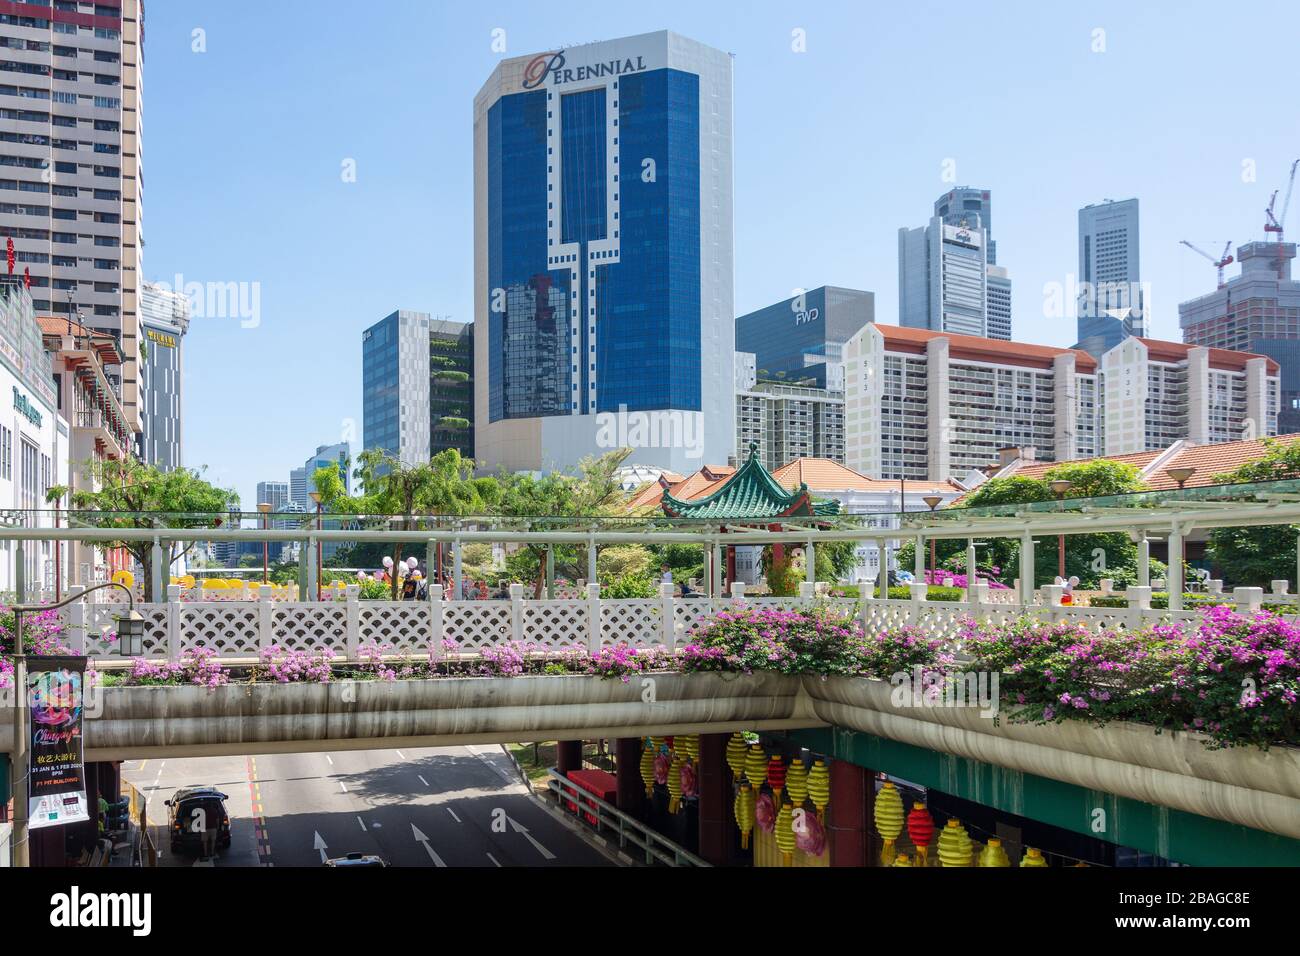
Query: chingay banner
(56, 781)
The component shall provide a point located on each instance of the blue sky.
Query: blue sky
(835, 149)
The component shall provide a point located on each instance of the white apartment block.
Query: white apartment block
(70, 174)
(1156, 393)
(788, 421)
(925, 405)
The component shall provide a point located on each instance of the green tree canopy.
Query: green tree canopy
(444, 485)
(130, 494)
(1089, 557)
(1254, 556)
(592, 489)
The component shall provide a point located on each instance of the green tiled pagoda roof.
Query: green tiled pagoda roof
(751, 492)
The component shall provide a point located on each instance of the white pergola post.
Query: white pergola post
(156, 562)
(1144, 562)
(1175, 577)
(882, 573)
(717, 570)
(591, 561)
(1027, 568)
(455, 570)
(810, 563)
(918, 560)
(970, 563)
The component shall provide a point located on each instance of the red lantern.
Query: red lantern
(27, 277)
(920, 826)
(776, 775)
(9, 253)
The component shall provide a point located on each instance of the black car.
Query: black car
(193, 811)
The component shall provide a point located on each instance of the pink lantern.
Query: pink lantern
(662, 763)
(810, 835)
(689, 788)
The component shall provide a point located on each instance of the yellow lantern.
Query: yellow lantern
(756, 766)
(889, 818)
(954, 845)
(674, 782)
(658, 743)
(688, 746)
(744, 807)
(785, 833)
(736, 753)
(902, 860)
(796, 782)
(124, 577)
(648, 769)
(993, 854)
(819, 787)
(1033, 857)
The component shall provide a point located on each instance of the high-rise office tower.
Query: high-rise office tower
(298, 486)
(796, 338)
(948, 277)
(969, 206)
(451, 386)
(603, 255)
(1257, 311)
(70, 94)
(338, 455)
(942, 278)
(395, 386)
(164, 320)
(1111, 303)
(273, 493)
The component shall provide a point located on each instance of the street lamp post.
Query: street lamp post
(1059, 488)
(933, 502)
(265, 508)
(315, 496)
(1180, 475)
(130, 632)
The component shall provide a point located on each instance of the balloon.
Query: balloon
(412, 562)
(361, 575)
(388, 562)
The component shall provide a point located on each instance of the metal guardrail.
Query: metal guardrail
(656, 847)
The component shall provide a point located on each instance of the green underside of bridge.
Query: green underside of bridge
(1172, 834)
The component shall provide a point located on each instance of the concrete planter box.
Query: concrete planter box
(1244, 785)
(138, 722)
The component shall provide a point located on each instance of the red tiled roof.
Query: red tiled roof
(900, 338)
(1208, 460)
(1227, 359)
(824, 475)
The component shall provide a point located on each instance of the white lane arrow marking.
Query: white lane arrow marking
(493, 859)
(421, 838)
(520, 828)
(318, 843)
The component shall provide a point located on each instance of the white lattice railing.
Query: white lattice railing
(242, 630)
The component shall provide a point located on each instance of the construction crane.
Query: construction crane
(1224, 260)
(1275, 223)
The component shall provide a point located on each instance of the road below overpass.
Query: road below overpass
(438, 806)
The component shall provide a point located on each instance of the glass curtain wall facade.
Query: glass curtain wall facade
(590, 255)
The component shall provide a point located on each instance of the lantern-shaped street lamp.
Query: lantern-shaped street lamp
(1180, 475)
(130, 634)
